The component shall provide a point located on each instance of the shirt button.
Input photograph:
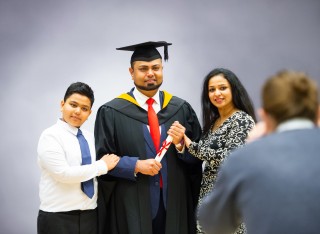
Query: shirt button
(156, 183)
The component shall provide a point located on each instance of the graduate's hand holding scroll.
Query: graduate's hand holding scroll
(148, 167)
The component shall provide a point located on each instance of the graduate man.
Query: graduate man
(142, 195)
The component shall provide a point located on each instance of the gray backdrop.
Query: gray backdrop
(46, 45)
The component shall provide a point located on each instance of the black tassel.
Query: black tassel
(166, 56)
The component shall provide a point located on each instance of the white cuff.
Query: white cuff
(102, 167)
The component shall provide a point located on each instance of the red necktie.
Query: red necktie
(154, 128)
(153, 124)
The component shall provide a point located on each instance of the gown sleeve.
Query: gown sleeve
(105, 144)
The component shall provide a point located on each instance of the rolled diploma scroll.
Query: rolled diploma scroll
(165, 146)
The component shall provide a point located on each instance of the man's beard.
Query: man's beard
(149, 87)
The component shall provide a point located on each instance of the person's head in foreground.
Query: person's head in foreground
(288, 95)
(272, 184)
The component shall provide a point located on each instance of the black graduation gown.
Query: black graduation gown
(124, 205)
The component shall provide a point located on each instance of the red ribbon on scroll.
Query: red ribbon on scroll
(165, 146)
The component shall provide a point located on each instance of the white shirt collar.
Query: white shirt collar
(67, 126)
(141, 99)
(294, 124)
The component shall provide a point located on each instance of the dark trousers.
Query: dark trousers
(71, 222)
(159, 222)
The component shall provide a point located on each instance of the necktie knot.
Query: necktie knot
(79, 133)
(150, 101)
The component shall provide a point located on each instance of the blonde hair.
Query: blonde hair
(290, 94)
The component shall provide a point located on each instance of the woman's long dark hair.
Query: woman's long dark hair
(240, 98)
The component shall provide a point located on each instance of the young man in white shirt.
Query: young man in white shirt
(64, 206)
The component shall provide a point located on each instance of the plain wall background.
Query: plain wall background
(45, 45)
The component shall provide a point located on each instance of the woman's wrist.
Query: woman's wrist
(180, 145)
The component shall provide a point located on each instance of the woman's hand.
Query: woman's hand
(176, 131)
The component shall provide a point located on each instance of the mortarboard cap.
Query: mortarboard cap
(147, 51)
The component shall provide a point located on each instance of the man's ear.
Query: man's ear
(318, 117)
(269, 121)
(262, 114)
(131, 72)
(61, 104)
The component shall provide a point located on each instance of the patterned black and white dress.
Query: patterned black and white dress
(215, 146)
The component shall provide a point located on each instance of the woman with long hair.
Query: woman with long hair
(228, 116)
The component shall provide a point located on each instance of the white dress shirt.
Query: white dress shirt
(142, 99)
(59, 158)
